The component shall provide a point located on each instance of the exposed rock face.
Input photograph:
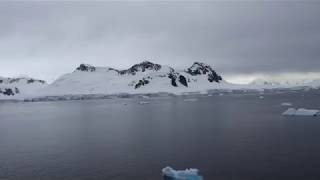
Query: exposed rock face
(200, 68)
(86, 68)
(183, 80)
(173, 77)
(20, 80)
(14, 86)
(16, 90)
(29, 81)
(141, 83)
(9, 91)
(145, 65)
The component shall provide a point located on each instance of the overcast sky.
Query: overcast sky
(47, 39)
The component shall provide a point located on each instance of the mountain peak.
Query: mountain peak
(86, 68)
(143, 66)
(199, 68)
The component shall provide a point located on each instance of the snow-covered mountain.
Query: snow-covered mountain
(145, 77)
(20, 86)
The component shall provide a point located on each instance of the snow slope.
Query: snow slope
(145, 77)
(20, 87)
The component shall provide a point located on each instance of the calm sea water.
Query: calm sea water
(230, 137)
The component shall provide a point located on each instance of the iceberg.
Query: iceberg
(307, 112)
(144, 102)
(301, 112)
(190, 100)
(188, 174)
(145, 97)
(286, 104)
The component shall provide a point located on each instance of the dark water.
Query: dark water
(226, 137)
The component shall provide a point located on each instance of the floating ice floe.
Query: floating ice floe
(301, 112)
(286, 104)
(261, 97)
(190, 100)
(144, 102)
(188, 174)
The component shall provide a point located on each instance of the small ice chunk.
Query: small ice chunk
(301, 112)
(286, 104)
(261, 97)
(289, 112)
(307, 112)
(190, 100)
(188, 174)
(144, 102)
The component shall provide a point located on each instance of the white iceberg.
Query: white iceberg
(145, 97)
(190, 100)
(144, 102)
(286, 104)
(188, 174)
(307, 112)
(289, 112)
(301, 112)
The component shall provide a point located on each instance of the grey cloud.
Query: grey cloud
(50, 38)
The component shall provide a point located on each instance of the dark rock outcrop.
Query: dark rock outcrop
(30, 81)
(145, 65)
(141, 82)
(7, 92)
(183, 80)
(173, 78)
(86, 68)
(200, 68)
(21, 79)
(16, 90)
(176, 76)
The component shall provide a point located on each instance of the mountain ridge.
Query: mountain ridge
(140, 78)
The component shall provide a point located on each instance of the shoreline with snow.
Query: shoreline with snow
(91, 82)
(188, 95)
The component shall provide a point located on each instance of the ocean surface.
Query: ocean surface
(227, 137)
